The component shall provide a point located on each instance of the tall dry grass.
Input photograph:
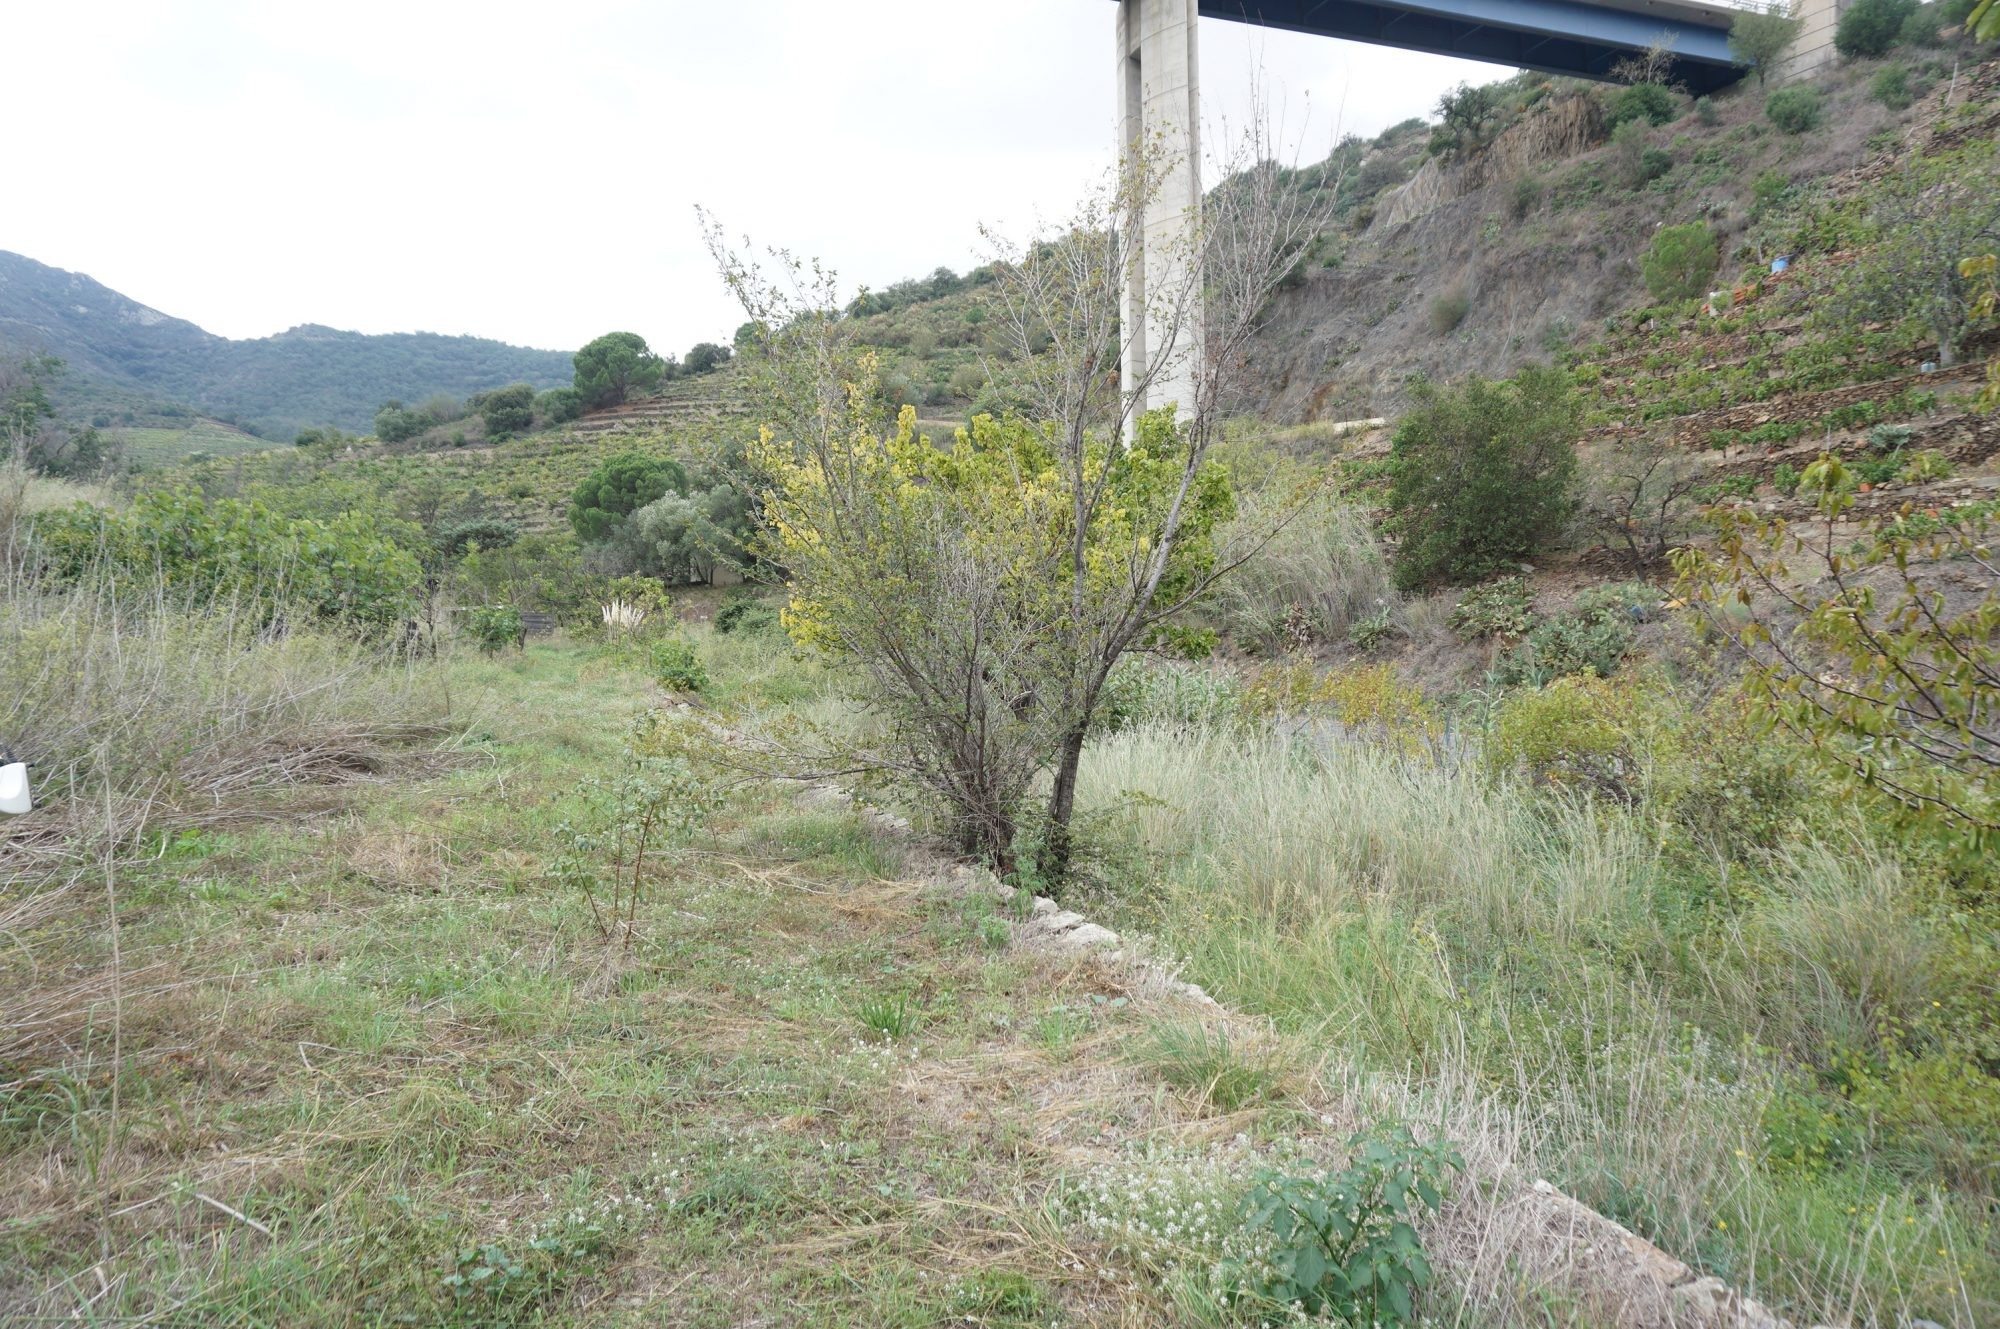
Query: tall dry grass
(1531, 978)
(1325, 564)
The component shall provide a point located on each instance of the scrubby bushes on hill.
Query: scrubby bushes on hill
(1482, 474)
(1796, 109)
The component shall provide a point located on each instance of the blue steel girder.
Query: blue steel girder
(1551, 36)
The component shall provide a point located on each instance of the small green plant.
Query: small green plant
(676, 667)
(1591, 638)
(1797, 109)
(1058, 1029)
(1768, 190)
(889, 1014)
(628, 827)
(1680, 262)
(1503, 608)
(1344, 1245)
(1926, 466)
(494, 627)
(1891, 87)
(1449, 310)
(1365, 634)
(1785, 479)
(1650, 102)
(1889, 438)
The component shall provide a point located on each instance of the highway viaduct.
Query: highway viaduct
(1158, 81)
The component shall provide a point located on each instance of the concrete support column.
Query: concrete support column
(1812, 51)
(1159, 112)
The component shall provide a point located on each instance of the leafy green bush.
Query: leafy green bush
(1891, 87)
(454, 538)
(1768, 190)
(1592, 637)
(1649, 102)
(677, 667)
(558, 406)
(342, 570)
(1503, 608)
(1481, 474)
(507, 410)
(618, 487)
(1343, 1245)
(495, 627)
(1680, 262)
(396, 423)
(1796, 109)
(745, 612)
(1871, 27)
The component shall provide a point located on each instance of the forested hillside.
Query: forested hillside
(126, 362)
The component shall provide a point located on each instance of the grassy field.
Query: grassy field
(363, 1063)
(354, 1047)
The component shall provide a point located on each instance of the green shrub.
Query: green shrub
(1921, 28)
(1342, 1245)
(395, 423)
(1768, 190)
(1574, 733)
(1449, 310)
(676, 666)
(1649, 102)
(454, 538)
(1503, 608)
(1481, 474)
(1796, 109)
(1680, 262)
(1592, 637)
(343, 570)
(495, 627)
(1871, 27)
(1523, 197)
(1891, 87)
(506, 410)
(1759, 39)
(557, 406)
(746, 612)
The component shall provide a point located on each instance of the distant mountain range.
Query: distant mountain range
(129, 362)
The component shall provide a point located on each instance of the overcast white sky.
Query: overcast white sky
(529, 172)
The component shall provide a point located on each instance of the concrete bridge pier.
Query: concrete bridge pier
(1159, 115)
(1812, 51)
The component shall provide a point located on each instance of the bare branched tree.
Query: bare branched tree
(1061, 289)
(989, 589)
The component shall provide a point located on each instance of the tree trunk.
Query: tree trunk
(1062, 802)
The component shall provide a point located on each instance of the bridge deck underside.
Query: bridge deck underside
(1552, 36)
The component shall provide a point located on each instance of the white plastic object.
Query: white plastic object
(14, 788)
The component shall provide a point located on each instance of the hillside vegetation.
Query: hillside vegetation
(443, 906)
